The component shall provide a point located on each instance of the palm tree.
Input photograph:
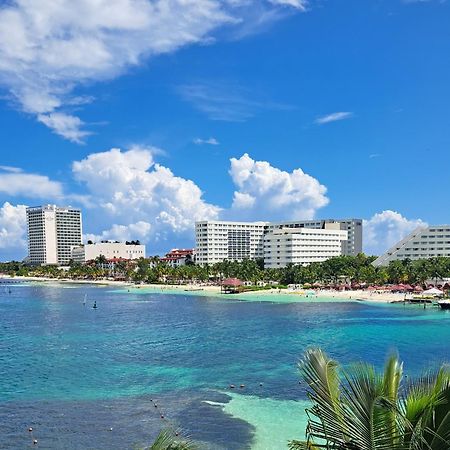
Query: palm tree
(169, 440)
(361, 409)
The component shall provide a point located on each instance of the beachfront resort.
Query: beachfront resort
(310, 258)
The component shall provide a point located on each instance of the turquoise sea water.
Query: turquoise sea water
(73, 373)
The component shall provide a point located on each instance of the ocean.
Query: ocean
(87, 378)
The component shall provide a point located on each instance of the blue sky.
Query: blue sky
(242, 109)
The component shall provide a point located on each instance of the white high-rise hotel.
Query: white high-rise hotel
(217, 241)
(52, 232)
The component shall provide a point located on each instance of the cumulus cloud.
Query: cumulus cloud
(49, 49)
(385, 229)
(17, 183)
(266, 192)
(139, 230)
(333, 117)
(12, 230)
(130, 188)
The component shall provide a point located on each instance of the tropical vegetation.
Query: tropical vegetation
(341, 269)
(358, 408)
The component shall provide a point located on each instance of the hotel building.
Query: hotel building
(234, 241)
(351, 246)
(52, 232)
(217, 241)
(303, 246)
(110, 250)
(424, 242)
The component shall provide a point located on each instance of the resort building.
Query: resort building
(179, 257)
(52, 232)
(303, 246)
(235, 241)
(351, 246)
(424, 242)
(110, 250)
(217, 241)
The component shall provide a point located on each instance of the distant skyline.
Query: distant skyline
(151, 115)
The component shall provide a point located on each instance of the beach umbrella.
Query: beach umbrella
(232, 282)
(418, 289)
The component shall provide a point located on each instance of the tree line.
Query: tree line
(334, 271)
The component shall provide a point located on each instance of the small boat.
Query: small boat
(444, 304)
(85, 299)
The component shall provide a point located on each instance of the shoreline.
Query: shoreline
(200, 289)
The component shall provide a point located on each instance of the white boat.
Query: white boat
(444, 304)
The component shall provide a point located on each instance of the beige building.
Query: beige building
(52, 232)
(110, 250)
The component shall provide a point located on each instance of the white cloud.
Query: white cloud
(49, 49)
(10, 169)
(221, 101)
(385, 229)
(12, 230)
(65, 125)
(334, 117)
(299, 4)
(29, 185)
(130, 188)
(139, 230)
(209, 141)
(266, 192)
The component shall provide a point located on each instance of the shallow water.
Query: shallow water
(72, 372)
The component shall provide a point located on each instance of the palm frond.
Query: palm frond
(321, 373)
(167, 439)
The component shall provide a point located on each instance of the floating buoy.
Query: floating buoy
(111, 429)
(242, 386)
(260, 384)
(162, 416)
(30, 429)
(176, 433)
(156, 405)
(34, 441)
(232, 386)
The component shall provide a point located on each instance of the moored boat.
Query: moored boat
(444, 304)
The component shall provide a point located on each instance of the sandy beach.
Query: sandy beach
(203, 289)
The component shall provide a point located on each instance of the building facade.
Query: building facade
(179, 257)
(424, 242)
(110, 250)
(217, 241)
(351, 246)
(303, 246)
(52, 232)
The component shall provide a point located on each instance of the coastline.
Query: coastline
(200, 289)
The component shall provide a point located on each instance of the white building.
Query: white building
(110, 250)
(302, 246)
(52, 232)
(217, 241)
(351, 246)
(424, 242)
(235, 241)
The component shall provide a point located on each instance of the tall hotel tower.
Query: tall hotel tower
(52, 231)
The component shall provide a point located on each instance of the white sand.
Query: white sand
(384, 297)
